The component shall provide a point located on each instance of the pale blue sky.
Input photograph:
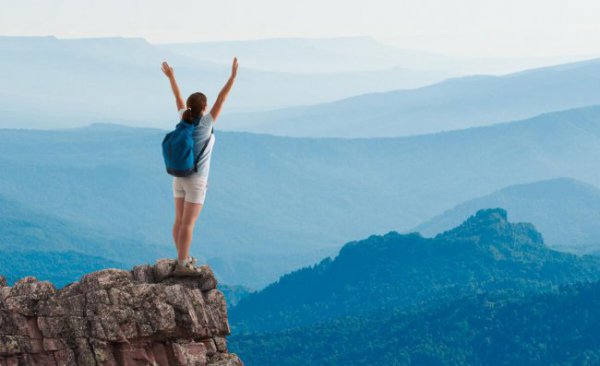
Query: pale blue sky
(463, 27)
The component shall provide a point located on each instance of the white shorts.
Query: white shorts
(191, 189)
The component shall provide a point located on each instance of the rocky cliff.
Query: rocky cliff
(115, 317)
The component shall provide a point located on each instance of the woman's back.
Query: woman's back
(202, 135)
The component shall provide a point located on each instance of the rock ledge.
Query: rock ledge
(115, 317)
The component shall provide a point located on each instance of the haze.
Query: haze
(508, 28)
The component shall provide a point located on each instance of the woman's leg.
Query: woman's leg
(178, 218)
(191, 211)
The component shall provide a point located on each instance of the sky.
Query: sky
(488, 28)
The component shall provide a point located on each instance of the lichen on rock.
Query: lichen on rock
(116, 317)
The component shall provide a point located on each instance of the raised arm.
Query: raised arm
(216, 109)
(168, 71)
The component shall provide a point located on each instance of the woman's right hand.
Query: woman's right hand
(167, 70)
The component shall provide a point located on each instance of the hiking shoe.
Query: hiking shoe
(186, 270)
(191, 259)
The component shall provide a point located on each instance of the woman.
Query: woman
(190, 191)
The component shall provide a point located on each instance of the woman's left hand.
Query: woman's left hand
(234, 67)
(167, 70)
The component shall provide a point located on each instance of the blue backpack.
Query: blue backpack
(178, 150)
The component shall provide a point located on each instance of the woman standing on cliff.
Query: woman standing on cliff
(189, 192)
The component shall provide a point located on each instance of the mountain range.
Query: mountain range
(60, 267)
(324, 141)
(292, 201)
(565, 210)
(55, 249)
(348, 54)
(486, 253)
(488, 292)
(449, 105)
(24, 229)
(118, 80)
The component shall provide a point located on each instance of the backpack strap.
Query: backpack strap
(212, 131)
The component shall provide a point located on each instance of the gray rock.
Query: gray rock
(224, 359)
(116, 317)
(211, 347)
(221, 343)
(106, 278)
(192, 353)
(33, 289)
(163, 268)
(143, 273)
(4, 294)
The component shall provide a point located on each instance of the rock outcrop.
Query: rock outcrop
(115, 317)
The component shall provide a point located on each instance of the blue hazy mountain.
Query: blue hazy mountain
(346, 54)
(61, 268)
(558, 328)
(486, 253)
(233, 294)
(305, 55)
(24, 229)
(52, 248)
(292, 201)
(565, 210)
(54, 83)
(452, 104)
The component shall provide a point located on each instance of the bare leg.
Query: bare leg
(191, 211)
(178, 218)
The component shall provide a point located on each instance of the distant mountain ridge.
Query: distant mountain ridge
(271, 189)
(449, 105)
(55, 83)
(484, 254)
(59, 250)
(344, 54)
(24, 229)
(304, 55)
(565, 210)
(59, 267)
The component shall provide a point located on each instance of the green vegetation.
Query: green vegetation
(559, 328)
(485, 254)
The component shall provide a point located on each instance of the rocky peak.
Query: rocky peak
(491, 226)
(116, 317)
(491, 216)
